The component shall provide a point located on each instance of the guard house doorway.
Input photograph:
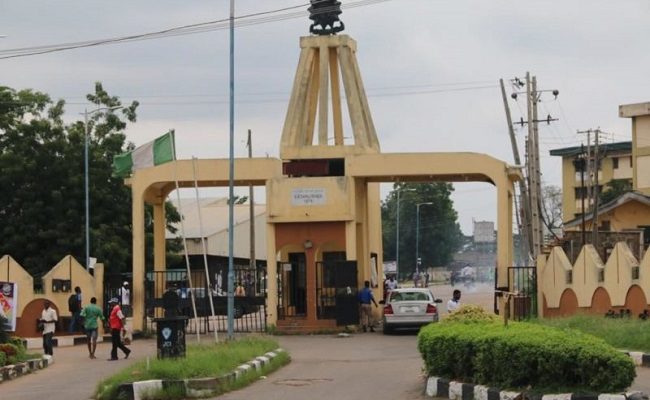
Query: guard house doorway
(295, 278)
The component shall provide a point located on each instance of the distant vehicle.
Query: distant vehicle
(410, 308)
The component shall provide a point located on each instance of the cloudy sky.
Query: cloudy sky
(431, 69)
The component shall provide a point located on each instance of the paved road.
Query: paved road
(73, 375)
(362, 366)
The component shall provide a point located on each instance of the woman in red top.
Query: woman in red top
(116, 323)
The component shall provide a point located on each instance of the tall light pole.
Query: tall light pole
(87, 113)
(417, 234)
(399, 190)
(231, 175)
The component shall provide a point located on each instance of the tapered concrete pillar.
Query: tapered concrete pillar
(137, 291)
(271, 277)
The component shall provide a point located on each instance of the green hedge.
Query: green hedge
(523, 355)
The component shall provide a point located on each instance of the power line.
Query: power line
(202, 27)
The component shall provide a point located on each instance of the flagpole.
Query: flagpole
(205, 252)
(231, 177)
(187, 257)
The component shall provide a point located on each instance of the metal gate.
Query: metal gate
(249, 306)
(523, 282)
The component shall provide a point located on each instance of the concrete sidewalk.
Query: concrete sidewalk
(74, 375)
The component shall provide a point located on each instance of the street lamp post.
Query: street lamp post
(397, 232)
(417, 235)
(86, 113)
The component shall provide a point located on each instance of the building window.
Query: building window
(601, 275)
(635, 273)
(615, 162)
(569, 277)
(630, 158)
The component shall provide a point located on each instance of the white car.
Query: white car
(409, 308)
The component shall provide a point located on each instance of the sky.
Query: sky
(430, 67)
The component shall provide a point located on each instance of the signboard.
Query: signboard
(9, 304)
(308, 197)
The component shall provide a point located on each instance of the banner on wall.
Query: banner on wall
(9, 304)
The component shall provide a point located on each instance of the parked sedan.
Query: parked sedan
(410, 308)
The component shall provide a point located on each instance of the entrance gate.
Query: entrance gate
(249, 308)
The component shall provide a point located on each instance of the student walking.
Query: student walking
(116, 322)
(91, 313)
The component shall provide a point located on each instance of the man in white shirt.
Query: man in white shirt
(454, 302)
(48, 318)
(125, 299)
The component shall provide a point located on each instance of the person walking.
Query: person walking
(90, 313)
(454, 302)
(365, 297)
(391, 284)
(116, 323)
(48, 319)
(74, 306)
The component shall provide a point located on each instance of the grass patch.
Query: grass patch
(627, 334)
(202, 361)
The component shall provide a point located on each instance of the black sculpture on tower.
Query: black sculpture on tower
(325, 14)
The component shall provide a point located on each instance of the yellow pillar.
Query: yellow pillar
(271, 277)
(159, 225)
(504, 231)
(159, 250)
(138, 258)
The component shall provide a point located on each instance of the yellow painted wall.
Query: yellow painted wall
(336, 205)
(69, 268)
(617, 279)
(11, 271)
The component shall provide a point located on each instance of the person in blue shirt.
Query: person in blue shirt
(365, 298)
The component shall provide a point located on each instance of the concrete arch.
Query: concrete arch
(32, 312)
(600, 301)
(635, 300)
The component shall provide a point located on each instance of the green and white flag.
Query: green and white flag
(156, 152)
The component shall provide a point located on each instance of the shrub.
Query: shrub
(3, 359)
(9, 349)
(523, 355)
(470, 313)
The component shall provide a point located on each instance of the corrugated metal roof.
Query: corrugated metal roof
(214, 212)
(572, 151)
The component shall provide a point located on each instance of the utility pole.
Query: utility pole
(524, 223)
(251, 193)
(532, 159)
(531, 100)
(592, 168)
(594, 219)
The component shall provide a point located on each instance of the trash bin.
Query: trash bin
(170, 337)
(170, 330)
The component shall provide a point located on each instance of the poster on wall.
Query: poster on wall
(9, 304)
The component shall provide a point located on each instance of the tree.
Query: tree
(440, 235)
(614, 189)
(552, 207)
(42, 210)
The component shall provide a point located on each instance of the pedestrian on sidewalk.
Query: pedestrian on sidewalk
(48, 319)
(116, 322)
(125, 299)
(90, 313)
(365, 297)
(74, 306)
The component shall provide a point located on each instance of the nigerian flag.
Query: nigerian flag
(156, 152)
